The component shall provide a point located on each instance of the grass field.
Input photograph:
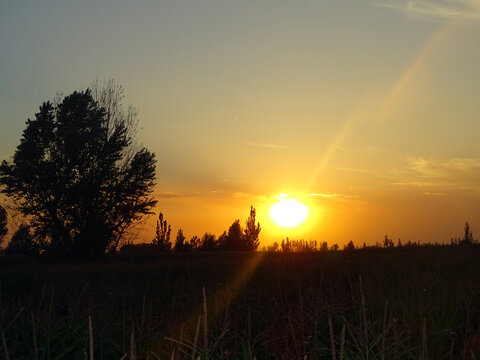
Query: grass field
(406, 303)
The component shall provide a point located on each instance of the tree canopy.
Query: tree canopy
(3, 224)
(76, 177)
(252, 231)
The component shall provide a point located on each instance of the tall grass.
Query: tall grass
(379, 304)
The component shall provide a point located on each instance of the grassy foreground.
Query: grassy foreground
(406, 303)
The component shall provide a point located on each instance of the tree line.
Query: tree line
(235, 238)
(301, 245)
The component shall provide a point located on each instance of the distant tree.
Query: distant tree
(22, 242)
(162, 235)
(222, 241)
(209, 243)
(235, 240)
(286, 245)
(350, 246)
(399, 244)
(274, 247)
(180, 244)
(78, 178)
(3, 224)
(252, 231)
(302, 245)
(334, 247)
(324, 246)
(194, 243)
(468, 236)
(388, 243)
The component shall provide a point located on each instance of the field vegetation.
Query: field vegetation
(390, 303)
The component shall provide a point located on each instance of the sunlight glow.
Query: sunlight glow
(288, 212)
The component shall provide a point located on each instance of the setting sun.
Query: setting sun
(288, 212)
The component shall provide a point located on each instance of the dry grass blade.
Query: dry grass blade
(34, 334)
(342, 342)
(142, 321)
(364, 310)
(205, 323)
(154, 355)
(15, 317)
(183, 342)
(195, 340)
(332, 337)
(90, 337)
(220, 337)
(132, 343)
(424, 340)
(452, 344)
(5, 346)
(249, 332)
(384, 327)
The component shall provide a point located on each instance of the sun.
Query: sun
(288, 212)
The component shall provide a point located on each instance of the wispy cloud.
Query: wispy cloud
(429, 193)
(437, 10)
(174, 195)
(327, 195)
(446, 174)
(446, 169)
(265, 146)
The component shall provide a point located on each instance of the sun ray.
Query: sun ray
(386, 105)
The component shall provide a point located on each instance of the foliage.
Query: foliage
(195, 242)
(238, 239)
(388, 242)
(22, 242)
(274, 247)
(234, 239)
(252, 231)
(77, 178)
(180, 244)
(162, 235)
(350, 246)
(3, 224)
(208, 242)
(324, 246)
(468, 236)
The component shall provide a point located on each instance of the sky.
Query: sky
(365, 111)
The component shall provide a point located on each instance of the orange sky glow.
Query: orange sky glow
(365, 112)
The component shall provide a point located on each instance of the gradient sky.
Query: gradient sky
(366, 111)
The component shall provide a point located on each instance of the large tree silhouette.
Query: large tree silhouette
(3, 224)
(77, 178)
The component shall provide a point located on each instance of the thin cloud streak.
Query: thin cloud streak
(451, 174)
(429, 193)
(265, 146)
(327, 195)
(437, 10)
